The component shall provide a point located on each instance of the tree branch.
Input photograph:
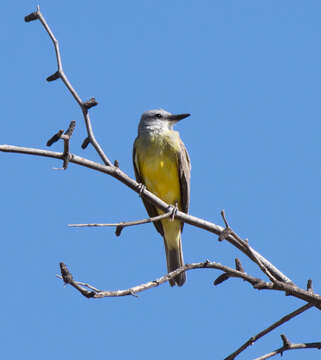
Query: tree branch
(61, 74)
(262, 333)
(290, 346)
(125, 179)
(119, 226)
(255, 282)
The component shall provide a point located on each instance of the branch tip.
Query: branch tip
(71, 128)
(118, 230)
(224, 219)
(90, 103)
(31, 17)
(221, 279)
(55, 138)
(85, 143)
(238, 265)
(116, 163)
(309, 285)
(54, 76)
(286, 341)
(65, 273)
(227, 231)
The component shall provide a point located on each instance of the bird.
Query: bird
(162, 164)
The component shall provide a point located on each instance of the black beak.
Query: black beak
(177, 117)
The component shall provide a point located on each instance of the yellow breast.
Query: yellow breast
(157, 161)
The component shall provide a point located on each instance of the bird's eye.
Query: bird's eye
(158, 115)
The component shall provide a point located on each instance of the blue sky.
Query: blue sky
(249, 73)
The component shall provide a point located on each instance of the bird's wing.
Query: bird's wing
(151, 209)
(184, 166)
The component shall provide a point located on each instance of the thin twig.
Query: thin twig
(262, 333)
(83, 105)
(229, 232)
(154, 283)
(257, 283)
(81, 284)
(68, 279)
(281, 350)
(127, 223)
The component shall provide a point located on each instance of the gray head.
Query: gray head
(158, 120)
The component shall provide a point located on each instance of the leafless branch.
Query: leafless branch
(60, 74)
(288, 286)
(229, 232)
(262, 333)
(119, 226)
(257, 283)
(290, 346)
(189, 219)
(66, 138)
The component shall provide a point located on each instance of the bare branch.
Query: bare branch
(229, 232)
(238, 265)
(128, 223)
(255, 282)
(309, 285)
(68, 279)
(55, 138)
(262, 333)
(61, 74)
(66, 138)
(143, 192)
(290, 346)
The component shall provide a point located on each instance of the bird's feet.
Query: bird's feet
(173, 209)
(141, 189)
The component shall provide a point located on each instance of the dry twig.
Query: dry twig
(60, 74)
(262, 333)
(289, 346)
(259, 284)
(119, 226)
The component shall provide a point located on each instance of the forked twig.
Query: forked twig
(287, 345)
(262, 333)
(60, 74)
(228, 231)
(257, 283)
(119, 226)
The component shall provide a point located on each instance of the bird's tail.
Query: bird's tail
(174, 257)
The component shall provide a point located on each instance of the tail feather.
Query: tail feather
(174, 257)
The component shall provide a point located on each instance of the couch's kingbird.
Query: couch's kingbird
(162, 164)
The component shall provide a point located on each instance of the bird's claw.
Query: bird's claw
(141, 189)
(174, 210)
